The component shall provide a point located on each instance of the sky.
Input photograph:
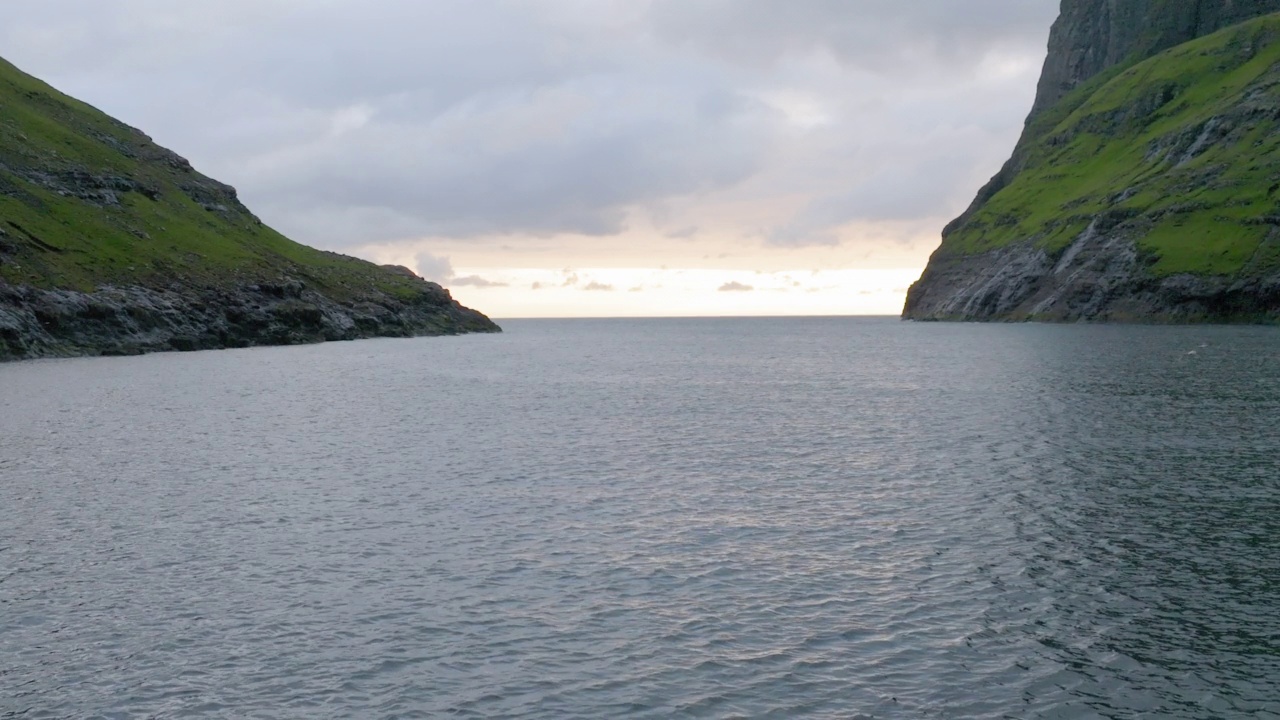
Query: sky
(552, 158)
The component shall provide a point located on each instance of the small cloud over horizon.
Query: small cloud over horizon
(434, 267)
(439, 269)
(477, 282)
(736, 287)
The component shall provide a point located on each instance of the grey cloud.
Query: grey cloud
(598, 287)
(346, 125)
(878, 35)
(440, 269)
(736, 287)
(422, 119)
(493, 166)
(935, 178)
(434, 268)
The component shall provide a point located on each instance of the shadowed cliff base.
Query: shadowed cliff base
(1101, 277)
(131, 320)
(1148, 192)
(110, 244)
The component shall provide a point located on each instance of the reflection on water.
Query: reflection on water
(583, 519)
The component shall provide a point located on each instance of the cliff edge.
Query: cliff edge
(1144, 185)
(110, 244)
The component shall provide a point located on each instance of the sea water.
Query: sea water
(784, 518)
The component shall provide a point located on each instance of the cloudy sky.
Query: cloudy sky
(578, 157)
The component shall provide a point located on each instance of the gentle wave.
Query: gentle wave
(583, 519)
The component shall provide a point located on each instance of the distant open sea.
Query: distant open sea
(732, 518)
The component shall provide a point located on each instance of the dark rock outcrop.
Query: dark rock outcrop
(133, 320)
(1100, 277)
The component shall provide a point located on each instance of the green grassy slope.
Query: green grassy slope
(1183, 148)
(87, 201)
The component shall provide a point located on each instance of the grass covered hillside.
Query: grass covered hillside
(110, 244)
(1180, 153)
(86, 200)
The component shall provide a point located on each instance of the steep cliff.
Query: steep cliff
(111, 244)
(1142, 188)
(1092, 36)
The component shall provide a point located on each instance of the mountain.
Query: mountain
(1146, 185)
(110, 244)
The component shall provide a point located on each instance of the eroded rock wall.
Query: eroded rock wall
(37, 323)
(1091, 36)
(1100, 277)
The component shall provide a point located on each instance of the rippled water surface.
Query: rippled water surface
(706, 518)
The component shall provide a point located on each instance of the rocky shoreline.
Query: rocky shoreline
(131, 320)
(1101, 277)
(113, 245)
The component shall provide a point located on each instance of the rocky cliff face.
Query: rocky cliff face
(110, 244)
(1102, 276)
(1142, 187)
(135, 319)
(1092, 36)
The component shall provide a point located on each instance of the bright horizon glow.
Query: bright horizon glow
(518, 293)
(714, 276)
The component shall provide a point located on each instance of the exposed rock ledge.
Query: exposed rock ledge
(1101, 277)
(132, 320)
